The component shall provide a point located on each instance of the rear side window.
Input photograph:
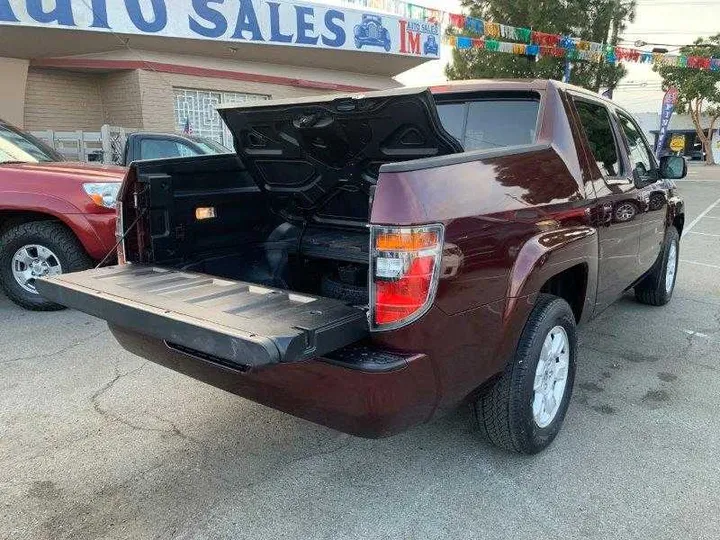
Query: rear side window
(595, 121)
(490, 123)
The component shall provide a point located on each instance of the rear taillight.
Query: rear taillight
(405, 267)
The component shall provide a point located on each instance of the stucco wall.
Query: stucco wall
(157, 98)
(62, 100)
(12, 90)
(121, 99)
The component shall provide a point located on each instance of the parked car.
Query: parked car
(697, 153)
(55, 216)
(431, 46)
(371, 32)
(149, 145)
(449, 259)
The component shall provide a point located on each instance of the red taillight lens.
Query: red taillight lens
(406, 263)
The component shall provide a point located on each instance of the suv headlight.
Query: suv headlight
(103, 193)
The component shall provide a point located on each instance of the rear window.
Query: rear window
(482, 124)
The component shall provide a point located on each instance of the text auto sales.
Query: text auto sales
(260, 21)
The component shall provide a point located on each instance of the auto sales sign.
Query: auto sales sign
(286, 22)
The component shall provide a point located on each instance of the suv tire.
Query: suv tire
(50, 235)
(510, 414)
(657, 287)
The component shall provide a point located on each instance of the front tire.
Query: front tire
(524, 410)
(656, 289)
(34, 249)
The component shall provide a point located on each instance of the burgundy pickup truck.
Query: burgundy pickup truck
(370, 262)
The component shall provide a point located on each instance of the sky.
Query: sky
(672, 22)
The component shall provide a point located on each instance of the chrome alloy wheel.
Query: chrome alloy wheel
(551, 376)
(671, 268)
(625, 212)
(31, 262)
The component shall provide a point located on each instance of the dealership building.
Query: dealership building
(164, 65)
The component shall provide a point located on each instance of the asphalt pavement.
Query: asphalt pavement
(97, 443)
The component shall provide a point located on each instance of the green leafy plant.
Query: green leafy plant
(698, 90)
(592, 20)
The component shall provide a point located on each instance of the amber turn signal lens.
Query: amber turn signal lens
(205, 213)
(406, 241)
(97, 199)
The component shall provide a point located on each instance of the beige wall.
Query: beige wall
(12, 90)
(62, 100)
(157, 94)
(143, 99)
(121, 99)
(236, 63)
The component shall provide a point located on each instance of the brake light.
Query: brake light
(404, 274)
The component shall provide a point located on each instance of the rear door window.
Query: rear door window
(484, 124)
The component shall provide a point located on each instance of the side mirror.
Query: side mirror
(673, 167)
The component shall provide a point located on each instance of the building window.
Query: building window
(197, 109)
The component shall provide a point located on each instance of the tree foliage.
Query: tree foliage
(592, 20)
(698, 90)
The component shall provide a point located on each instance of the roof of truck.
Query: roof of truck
(450, 87)
(445, 88)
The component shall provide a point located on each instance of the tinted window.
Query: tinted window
(164, 148)
(452, 116)
(18, 146)
(638, 152)
(598, 129)
(491, 123)
(211, 147)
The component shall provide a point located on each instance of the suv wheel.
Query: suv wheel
(36, 249)
(657, 287)
(524, 410)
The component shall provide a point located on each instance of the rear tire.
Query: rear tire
(54, 237)
(508, 413)
(656, 289)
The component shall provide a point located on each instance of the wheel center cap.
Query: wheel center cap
(39, 267)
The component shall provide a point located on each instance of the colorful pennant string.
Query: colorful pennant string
(496, 37)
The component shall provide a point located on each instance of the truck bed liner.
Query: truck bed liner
(245, 325)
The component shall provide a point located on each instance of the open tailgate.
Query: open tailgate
(239, 324)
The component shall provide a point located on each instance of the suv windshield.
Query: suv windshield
(16, 146)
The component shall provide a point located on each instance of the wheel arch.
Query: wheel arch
(550, 258)
(11, 217)
(545, 263)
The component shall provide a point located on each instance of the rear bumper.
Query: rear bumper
(370, 399)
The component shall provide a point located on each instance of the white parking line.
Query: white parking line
(699, 263)
(702, 215)
(703, 234)
(694, 333)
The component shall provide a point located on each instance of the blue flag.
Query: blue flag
(668, 106)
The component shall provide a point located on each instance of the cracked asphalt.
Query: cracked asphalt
(98, 443)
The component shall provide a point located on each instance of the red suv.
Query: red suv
(55, 216)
